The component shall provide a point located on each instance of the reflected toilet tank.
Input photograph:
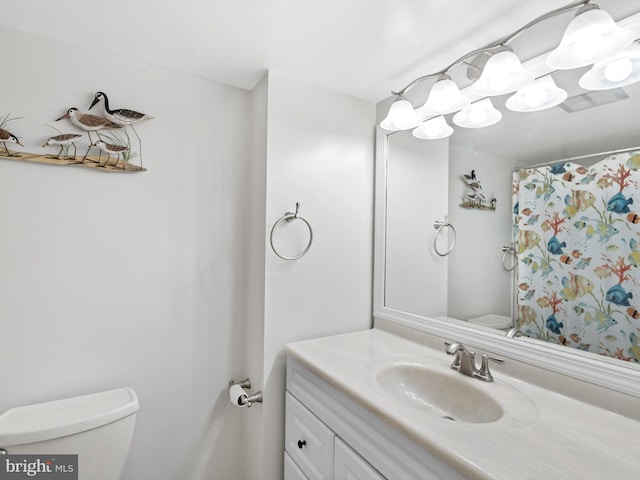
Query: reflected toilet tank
(499, 322)
(97, 427)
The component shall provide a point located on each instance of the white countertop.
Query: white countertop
(552, 437)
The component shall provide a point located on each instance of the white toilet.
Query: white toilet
(97, 427)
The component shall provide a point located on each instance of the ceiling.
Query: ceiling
(361, 48)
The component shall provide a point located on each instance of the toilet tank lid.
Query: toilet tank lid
(45, 421)
(493, 321)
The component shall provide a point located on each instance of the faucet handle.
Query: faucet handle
(484, 373)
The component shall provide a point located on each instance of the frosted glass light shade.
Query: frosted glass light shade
(401, 116)
(543, 93)
(433, 129)
(477, 115)
(620, 70)
(444, 97)
(591, 36)
(502, 74)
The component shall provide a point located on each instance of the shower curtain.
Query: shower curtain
(577, 239)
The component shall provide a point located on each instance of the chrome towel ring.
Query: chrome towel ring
(440, 226)
(509, 250)
(290, 217)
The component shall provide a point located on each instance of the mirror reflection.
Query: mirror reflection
(574, 227)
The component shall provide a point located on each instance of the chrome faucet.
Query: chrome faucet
(464, 361)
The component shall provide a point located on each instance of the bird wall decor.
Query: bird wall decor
(110, 148)
(121, 116)
(64, 140)
(105, 126)
(6, 136)
(474, 196)
(89, 123)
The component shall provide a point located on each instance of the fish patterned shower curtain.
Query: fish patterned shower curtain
(577, 239)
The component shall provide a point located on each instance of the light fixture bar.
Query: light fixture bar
(496, 44)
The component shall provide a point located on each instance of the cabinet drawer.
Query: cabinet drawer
(291, 470)
(308, 441)
(351, 466)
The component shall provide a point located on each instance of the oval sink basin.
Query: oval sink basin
(429, 386)
(439, 393)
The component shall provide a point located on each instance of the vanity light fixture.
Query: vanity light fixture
(433, 129)
(618, 71)
(591, 37)
(502, 74)
(477, 115)
(401, 116)
(543, 93)
(444, 97)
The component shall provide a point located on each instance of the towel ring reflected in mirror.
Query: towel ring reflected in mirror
(440, 226)
(290, 217)
(509, 249)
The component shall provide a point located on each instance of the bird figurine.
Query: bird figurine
(471, 176)
(471, 180)
(121, 116)
(6, 136)
(110, 148)
(89, 123)
(64, 140)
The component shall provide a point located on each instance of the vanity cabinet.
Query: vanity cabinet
(348, 465)
(314, 452)
(291, 470)
(308, 441)
(328, 435)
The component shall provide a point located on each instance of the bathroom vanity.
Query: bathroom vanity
(329, 435)
(378, 404)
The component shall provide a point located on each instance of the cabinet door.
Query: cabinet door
(291, 470)
(308, 441)
(348, 465)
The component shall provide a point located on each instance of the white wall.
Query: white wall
(164, 280)
(319, 153)
(253, 347)
(478, 285)
(129, 279)
(417, 191)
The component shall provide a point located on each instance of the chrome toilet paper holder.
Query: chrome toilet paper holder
(244, 399)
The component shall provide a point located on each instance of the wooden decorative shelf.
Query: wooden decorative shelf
(92, 161)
